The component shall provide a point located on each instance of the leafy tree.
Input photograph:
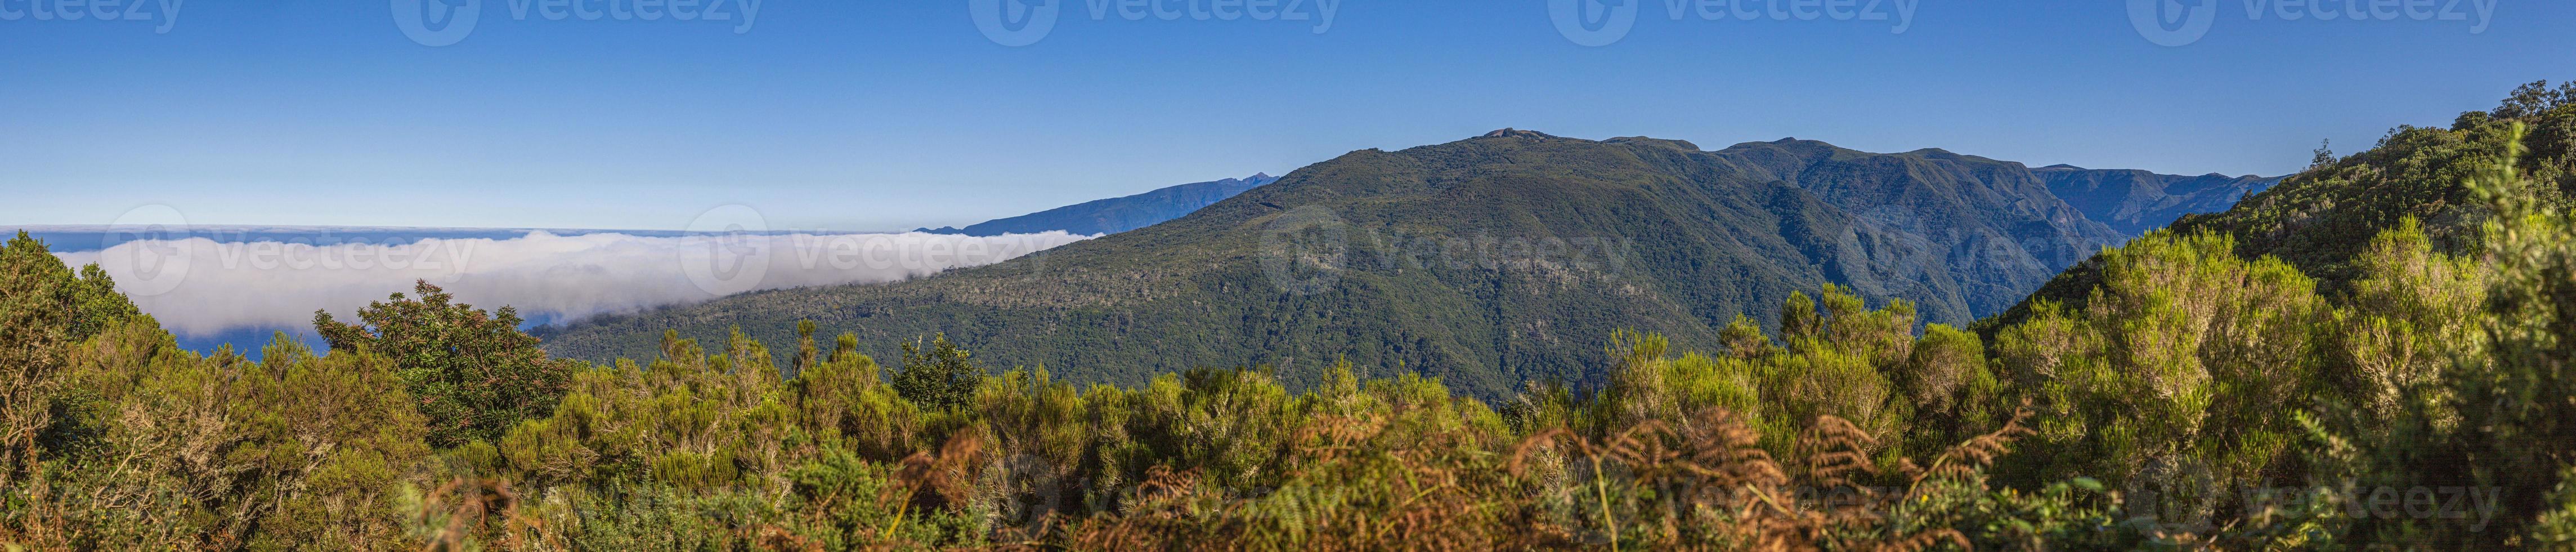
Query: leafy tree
(937, 376)
(139, 444)
(2181, 360)
(2324, 155)
(1743, 339)
(2412, 314)
(2534, 99)
(46, 301)
(2522, 394)
(1955, 396)
(476, 375)
(2501, 416)
(44, 307)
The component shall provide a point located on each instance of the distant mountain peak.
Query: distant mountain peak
(1682, 144)
(1517, 133)
(2134, 201)
(1259, 176)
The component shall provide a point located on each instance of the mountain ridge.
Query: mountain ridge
(1118, 214)
(1489, 262)
(2134, 201)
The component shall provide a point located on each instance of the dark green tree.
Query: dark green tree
(475, 373)
(77, 305)
(938, 376)
(44, 309)
(2535, 99)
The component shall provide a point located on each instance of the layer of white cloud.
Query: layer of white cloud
(200, 287)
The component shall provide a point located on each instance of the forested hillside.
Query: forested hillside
(2199, 399)
(1488, 262)
(2320, 221)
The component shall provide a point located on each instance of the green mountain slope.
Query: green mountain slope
(1991, 225)
(1488, 262)
(1120, 214)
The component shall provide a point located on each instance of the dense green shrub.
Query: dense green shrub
(475, 372)
(937, 375)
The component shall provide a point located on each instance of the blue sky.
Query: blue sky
(872, 115)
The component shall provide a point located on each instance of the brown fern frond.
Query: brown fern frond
(1164, 484)
(1545, 440)
(468, 505)
(773, 537)
(1928, 540)
(1644, 448)
(1728, 452)
(1329, 438)
(1966, 459)
(1838, 450)
(950, 474)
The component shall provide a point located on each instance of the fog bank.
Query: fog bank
(200, 287)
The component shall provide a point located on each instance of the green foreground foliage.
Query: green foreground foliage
(2193, 398)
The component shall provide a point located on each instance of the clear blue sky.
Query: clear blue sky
(865, 115)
